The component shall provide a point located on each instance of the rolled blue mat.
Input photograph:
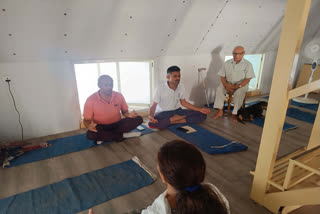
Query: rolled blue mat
(79, 193)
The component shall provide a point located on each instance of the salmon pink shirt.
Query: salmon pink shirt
(102, 112)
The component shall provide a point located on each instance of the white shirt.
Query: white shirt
(167, 98)
(236, 73)
(162, 206)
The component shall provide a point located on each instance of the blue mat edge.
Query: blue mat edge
(152, 180)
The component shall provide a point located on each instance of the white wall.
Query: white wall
(189, 74)
(267, 71)
(46, 96)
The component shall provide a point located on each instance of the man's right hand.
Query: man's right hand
(152, 119)
(92, 127)
(229, 87)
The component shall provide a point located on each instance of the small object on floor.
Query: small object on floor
(99, 142)
(186, 129)
(140, 128)
(131, 134)
(12, 150)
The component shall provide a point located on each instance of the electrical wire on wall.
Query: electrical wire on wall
(212, 24)
(15, 107)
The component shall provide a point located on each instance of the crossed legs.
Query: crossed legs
(177, 116)
(114, 131)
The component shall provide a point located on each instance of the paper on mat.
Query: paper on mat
(190, 129)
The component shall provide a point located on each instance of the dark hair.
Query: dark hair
(183, 166)
(173, 69)
(105, 76)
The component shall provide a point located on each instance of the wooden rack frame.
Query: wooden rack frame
(281, 174)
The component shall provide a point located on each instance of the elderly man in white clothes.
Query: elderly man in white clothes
(235, 77)
(169, 97)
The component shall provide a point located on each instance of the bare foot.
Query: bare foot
(176, 118)
(234, 118)
(218, 114)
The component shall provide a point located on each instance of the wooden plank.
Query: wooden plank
(304, 89)
(288, 176)
(311, 169)
(273, 201)
(288, 156)
(315, 134)
(293, 27)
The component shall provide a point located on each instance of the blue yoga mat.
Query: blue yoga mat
(58, 147)
(79, 193)
(61, 146)
(301, 115)
(260, 122)
(207, 141)
(313, 107)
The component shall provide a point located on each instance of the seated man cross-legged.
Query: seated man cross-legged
(166, 109)
(102, 114)
(235, 76)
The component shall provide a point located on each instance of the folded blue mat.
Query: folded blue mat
(313, 107)
(62, 146)
(260, 122)
(301, 115)
(79, 193)
(207, 141)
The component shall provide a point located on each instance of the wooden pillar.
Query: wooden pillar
(293, 26)
(315, 134)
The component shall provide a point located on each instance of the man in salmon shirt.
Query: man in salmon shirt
(102, 114)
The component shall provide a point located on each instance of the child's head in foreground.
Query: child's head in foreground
(182, 166)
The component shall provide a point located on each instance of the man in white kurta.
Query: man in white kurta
(235, 76)
(168, 100)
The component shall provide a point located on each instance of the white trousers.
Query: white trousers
(238, 97)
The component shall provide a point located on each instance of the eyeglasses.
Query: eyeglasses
(234, 53)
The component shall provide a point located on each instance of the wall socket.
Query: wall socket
(6, 77)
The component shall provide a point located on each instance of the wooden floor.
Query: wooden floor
(229, 172)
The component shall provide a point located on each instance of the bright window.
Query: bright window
(257, 63)
(135, 81)
(132, 79)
